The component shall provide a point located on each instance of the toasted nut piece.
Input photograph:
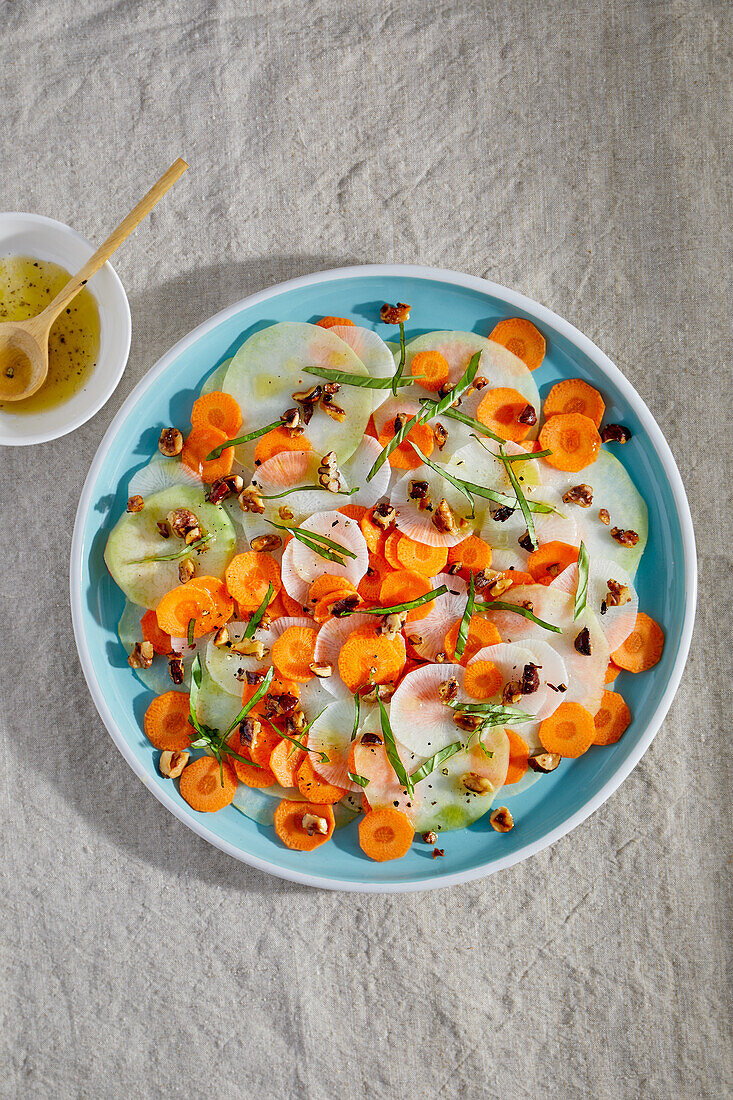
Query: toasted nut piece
(171, 764)
(142, 655)
(313, 825)
(443, 518)
(378, 691)
(186, 570)
(296, 719)
(286, 514)
(441, 658)
(417, 490)
(501, 819)
(438, 852)
(544, 761)
(512, 693)
(371, 739)
(624, 538)
(308, 397)
(394, 315)
(135, 504)
(329, 462)
(249, 727)
(527, 416)
(528, 605)
(330, 484)
(580, 494)
(448, 690)
(249, 647)
(280, 704)
(225, 487)
(221, 638)
(170, 442)
(330, 389)
(265, 544)
(530, 679)
(348, 603)
(499, 586)
(618, 594)
(290, 419)
(383, 516)
(430, 838)
(193, 536)
(415, 639)
(582, 642)
(175, 668)
(440, 435)
(525, 541)
(251, 501)
(321, 670)
(468, 722)
(181, 521)
(615, 433)
(479, 784)
(483, 578)
(163, 529)
(392, 624)
(502, 514)
(334, 411)
(603, 516)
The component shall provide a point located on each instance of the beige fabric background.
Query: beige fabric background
(574, 150)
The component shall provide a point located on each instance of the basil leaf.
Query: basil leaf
(391, 748)
(520, 497)
(256, 619)
(463, 629)
(311, 489)
(581, 592)
(397, 377)
(409, 606)
(357, 710)
(502, 605)
(217, 451)
(435, 761)
(363, 381)
(358, 779)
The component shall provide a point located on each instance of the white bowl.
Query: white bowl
(46, 239)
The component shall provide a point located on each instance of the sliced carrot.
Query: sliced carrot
(326, 584)
(371, 583)
(276, 441)
(481, 633)
(278, 686)
(518, 757)
(369, 659)
(612, 719)
(419, 557)
(180, 605)
(371, 428)
(433, 366)
(248, 575)
(294, 652)
(195, 449)
(264, 741)
(289, 825)
(276, 608)
(249, 774)
(292, 607)
(500, 410)
(159, 640)
(643, 647)
(385, 834)
(569, 731)
(323, 610)
(473, 554)
(353, 511)
(374, 536)
(517, 577)
(331, 322)
(573, 395)
(482, 680)
(315, 789)
(403, 457)
(573, 440)
(549, 560)
(405, 585)
(201, 784)
(166, 722)
(390, 549)
(611, 672)
(522, 338)
(285, 760)
(217, 410)
(223, 602)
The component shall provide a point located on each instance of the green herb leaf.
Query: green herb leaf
(191, 628)
(469, 421)
(217, 451)
(324, 759)
(363, 381)
(502, 605)
(397, 377)
(435, 761)
(409, 606)
(391, 748)
(357, 710)
(358, 779)
(485, 751)
(525, 456)
(496, 714)
(311, 489)
(466, 620)
(581, 592)
(256, 619)
(526, 512)
(261, 690)
(455, 481)
(325, 548)
(193, 695)
(178, 554)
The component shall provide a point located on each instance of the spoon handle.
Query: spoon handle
(113, 242)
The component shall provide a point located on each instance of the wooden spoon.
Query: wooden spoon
(24, 344)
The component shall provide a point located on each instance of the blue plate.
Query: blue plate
(440, 300)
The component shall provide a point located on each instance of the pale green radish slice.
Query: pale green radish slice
(617, 622)
(420, 719)
(373, 352)
(269, 368)
(290, 470)
(419, 523)
(528, 780)
(356, 469)
(159, 474)
(260, 803)
(229, 669)
(331, 734)
(338, 528)
(215, 381)
(613, 490)
(156, 678)
(216, 708)
(427, 635)
(445, 803)
(135, 538)
(391, 406)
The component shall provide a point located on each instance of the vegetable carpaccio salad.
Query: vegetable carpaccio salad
(381, 582)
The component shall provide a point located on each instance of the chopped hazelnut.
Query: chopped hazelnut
(290, 419)
(527, 416)
(265, 544)
(394, 315)
(618, 594)
(615, 433)
(580, 494)
(286, 514)
(321, 670)
(479, 784)
(346, 605)
(582, 642)
(454, 568)
(502, 513)
(309, 397)
(417, 490)
(499, 586)
(249, 647)
(186, 570)
(135, 504)
(171, 764)
(544, 761)
(221, 638)
(448, 690)
(313, 824)
(170, 442)
(501, 819)
(163, 529)
(430, 837)
(383, 516)
(334, 411)
(142, 655)
(525, 541)
(443, 518)
(392, 624)
(415, 639)
(603, 516)
(296, 719)
(175, 668)
(251, 501)
(512, 693)
(371, 739)
(624, 538)
(440, 435)
(181, 521)
(193, 536)
(224, 487)
(530, 679)
(249, 728)
(468, 722)
(378, 691)
(438, 852)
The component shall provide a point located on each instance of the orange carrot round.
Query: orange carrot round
(201, 784)
(368, 659)
(549, 560)
(370, 584)
(643, 647)
(200, 442)
(264, 741)
(217, 410)
(481, 633)
(289, 826)
(374, 536)
(166, 722)
(353, 511)
(285, 760)
(418, 557)
(325, 585)
(573, 395)
(159, 640)
(294, 652)
(433, 366)
(573, 440)
(223, 602)
(517, 577)
(518, 757)
(180, 605)
(332, 322)
(248, 575)
(246, 773)
(522, 338)
(611, 672)
(390, 549)
(404, 457)
(403, 586)
(482, 680)
(276, 441)
(612, 719)
(500, 411)
(569, 731)
(315, 789)
(385, 834)
(473, 554)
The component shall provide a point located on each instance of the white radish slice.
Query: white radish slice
(228, 669)
(550, 527)
(356, 469)
(504, 560)
(293, 583)
(287, 471)
(420, 719)
(331, 734)
(444, 612)
(551, 670)
(260, 803)
(270, 367)
(156, 678)
(417, 523)
(383, 788)
(310, 565)
(613, 490)
(510, 659)
(617, 622)
(216, 708)
(161, 473)
(444, 803)
(373, 352)
(331, 637)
